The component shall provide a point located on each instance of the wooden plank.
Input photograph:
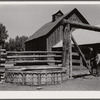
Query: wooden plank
(36, 56)
(34, 68)
(2, 53)
(76, 61)
(53, 36)
(3, 50)
(2, 70)
(47, 43)
(49, 46)
(75, 54)
(2, 60)
(81, 62)
(32, 56)
(33, 52)
(37, 61)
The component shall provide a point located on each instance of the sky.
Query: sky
(25, 19)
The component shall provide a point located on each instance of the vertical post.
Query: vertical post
(39, 79)
(67, 52)
(0, 55)
(81, 62)
(70, 55)
(23, 78)
(0, 61)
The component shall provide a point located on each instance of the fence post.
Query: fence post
(0, 55)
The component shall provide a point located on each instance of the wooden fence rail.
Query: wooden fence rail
(36, 57)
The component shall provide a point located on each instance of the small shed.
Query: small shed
(84, 38)
(51, 33)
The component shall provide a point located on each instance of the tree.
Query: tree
(3, 34)
(16, 44)
(19, 42)
(22, 41)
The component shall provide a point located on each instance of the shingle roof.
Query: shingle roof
(83, 37)
(44, 30)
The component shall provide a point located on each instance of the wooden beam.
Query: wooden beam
(33, 52)
(66, 59)
(80, 53)
(81, 25)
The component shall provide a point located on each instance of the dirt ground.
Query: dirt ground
(82, 83)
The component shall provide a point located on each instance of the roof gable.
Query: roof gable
(44, 30)
(74, 17)
(74, 13)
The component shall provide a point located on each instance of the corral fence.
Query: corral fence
(22, 71)
(3, 56)
(40, 58)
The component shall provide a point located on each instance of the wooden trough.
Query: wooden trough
(35, 76)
